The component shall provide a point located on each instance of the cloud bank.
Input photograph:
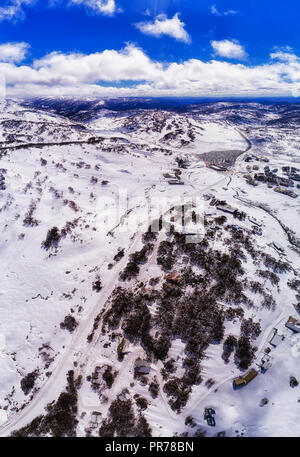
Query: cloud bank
(76, 74)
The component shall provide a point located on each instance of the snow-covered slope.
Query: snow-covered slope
(74, 206)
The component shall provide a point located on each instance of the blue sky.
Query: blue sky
(43, 44)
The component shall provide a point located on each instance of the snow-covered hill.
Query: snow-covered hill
(85, 291)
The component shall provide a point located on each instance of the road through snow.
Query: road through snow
(57, 381)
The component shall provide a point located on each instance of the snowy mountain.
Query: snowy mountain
(102, 319)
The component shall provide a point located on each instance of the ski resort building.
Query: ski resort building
(174, 182)
(276, 338)
(266, 362)
(141, 367)
(226, 209)
(95, 419)
(217, 168)
(293, 324)
(244, 380)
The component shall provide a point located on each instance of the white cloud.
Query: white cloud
(129, 63)
(108, 7)
(81, 75)
(214, 10)
(230, 49)
(13, 52)
(173, 27)
(13, 9)
(284, 56)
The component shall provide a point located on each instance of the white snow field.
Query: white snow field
(94, 181)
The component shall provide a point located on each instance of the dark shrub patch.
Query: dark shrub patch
(52, 239)
(27, 383)
(109, 376)
(69, 323)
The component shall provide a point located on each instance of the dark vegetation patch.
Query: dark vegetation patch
(228, 347)
(179, 390)
(97, 285)
(100, 374)
(165, 255)
(169, 368)
(52, 239)
(154, 388)
(54, 235)
(71, 205)
(27, 383)
(60, 419)
(244, 354)
(220, 269)
(109, 376)
(142, 403)
(149, 236)
(69, 323)
(293, 381)
(191, 307)
(250, 328)
(270, 275)
(277, 266)
(122, 421)
(29, 220)
(132, 268)
(294, 284)
(119, 255)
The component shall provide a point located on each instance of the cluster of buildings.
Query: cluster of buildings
(250, 180)
(252, 157)
(270, 177)
(174, 178)
(292, 172)
(256, 227)
(290, 193)
(266, 360)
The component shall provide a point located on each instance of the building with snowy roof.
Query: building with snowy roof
(293, 324)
